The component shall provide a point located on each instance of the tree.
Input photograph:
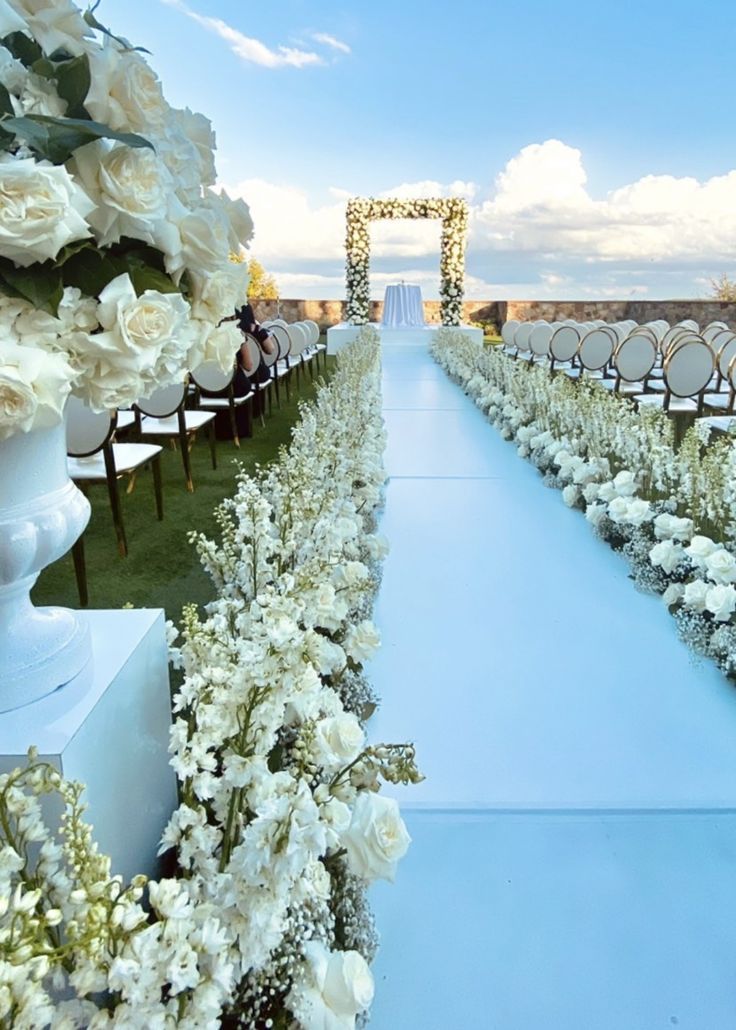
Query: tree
(723, 288)
(261, 285)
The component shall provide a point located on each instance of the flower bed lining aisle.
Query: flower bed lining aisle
(671, 512)
(280, 826)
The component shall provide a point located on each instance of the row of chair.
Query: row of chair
(104, 447)
(675, 367)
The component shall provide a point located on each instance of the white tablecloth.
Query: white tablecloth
(402, 306)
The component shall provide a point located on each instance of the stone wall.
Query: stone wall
(329, 312)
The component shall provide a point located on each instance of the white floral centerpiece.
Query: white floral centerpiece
(114, 270)
(361, 211)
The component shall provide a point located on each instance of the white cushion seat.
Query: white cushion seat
(193, 421)
(721, 401)
(127, 456)
(721, 423)
(219, 403)
(677, 406)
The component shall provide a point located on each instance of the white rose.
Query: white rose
(720, 566)
(12, 73)
(339, 739)
(595, 513)
(34, 386)
(203, 242)
(700, 548)
(667, 555)
(376, 838)
(606, 492)
(41, 210)
(198, 129)
(625, 483)
(55, 24)
(334, 988)
(669, 527)
(695, 594)
(237, 215)
(216, 296)
(618, 509)
(336, 816)
(638, 512)
(125, 92)
(721, 602)
(570, 495)
(38, 96)
(377, 546)
(221, 344)
(673, 594)
(362, 641)
(130, 186)
(590, 492)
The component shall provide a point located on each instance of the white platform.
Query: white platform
(109, 729)
(574, 855)
(339, 336)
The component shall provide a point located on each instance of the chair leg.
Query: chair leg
(157, 487)
(233, 423)
(213, 442)
(287, 381)
(80, 571)
(116, 507)
(249, 416)
(276, 383)
(184, 444)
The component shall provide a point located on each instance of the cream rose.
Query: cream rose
(125, 92)
(595, 513)
(198, 130)
(237, 214)
(34, 386)
(41, 210)
(625, 483)
(700, 548)
(376, 838)
(130, 187)
(667, 555)
(203, 242)
(221, 344)
(669, 527)
(55, 24)
(720, 601)
(673, 594)
(216, 296)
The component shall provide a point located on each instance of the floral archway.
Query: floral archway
(361, 211)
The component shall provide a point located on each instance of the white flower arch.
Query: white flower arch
(362, 210)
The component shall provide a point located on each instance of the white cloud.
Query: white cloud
(331, 41)
(538, 232)
(247, 48)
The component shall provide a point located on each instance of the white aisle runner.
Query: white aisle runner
(574, 855)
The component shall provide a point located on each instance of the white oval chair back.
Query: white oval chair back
(539, 339)
(724, 346)
(281, 337)
(507, 331)
(298, 336)
(521, 336)
(712, 330)
(688, 323)
(86, 430)
(313, 331)
(596, 348)
(254, 354)
(634, 358)
(564, 343)
(279, 321)
(689, 367)
(163, 402)
(210, 377)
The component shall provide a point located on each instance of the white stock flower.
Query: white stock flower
(334, 988)
(34, 386)
(720, 601)
(720, 566)
(376, 838)
(695, 594)
(41, 210)
(362, 641)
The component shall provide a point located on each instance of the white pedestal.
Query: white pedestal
(109, 728)
(339, 336)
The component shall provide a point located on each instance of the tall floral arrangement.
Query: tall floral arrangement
(361, 211)
(281, 825)
(114, 270)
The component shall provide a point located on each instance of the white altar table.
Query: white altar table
(403, 307)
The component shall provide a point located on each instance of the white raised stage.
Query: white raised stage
(339, 336)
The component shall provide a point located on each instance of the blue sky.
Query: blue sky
(593, 141)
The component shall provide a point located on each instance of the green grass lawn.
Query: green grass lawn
(162, 569)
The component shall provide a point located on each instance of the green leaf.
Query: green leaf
(73, 79)
(56, 139)
(90, 270)
(23, 48)
(71, 249)
(89, 17)
(39, 284)
(6, 105)
(144, 277)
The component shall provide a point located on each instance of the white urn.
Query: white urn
(42, 514)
